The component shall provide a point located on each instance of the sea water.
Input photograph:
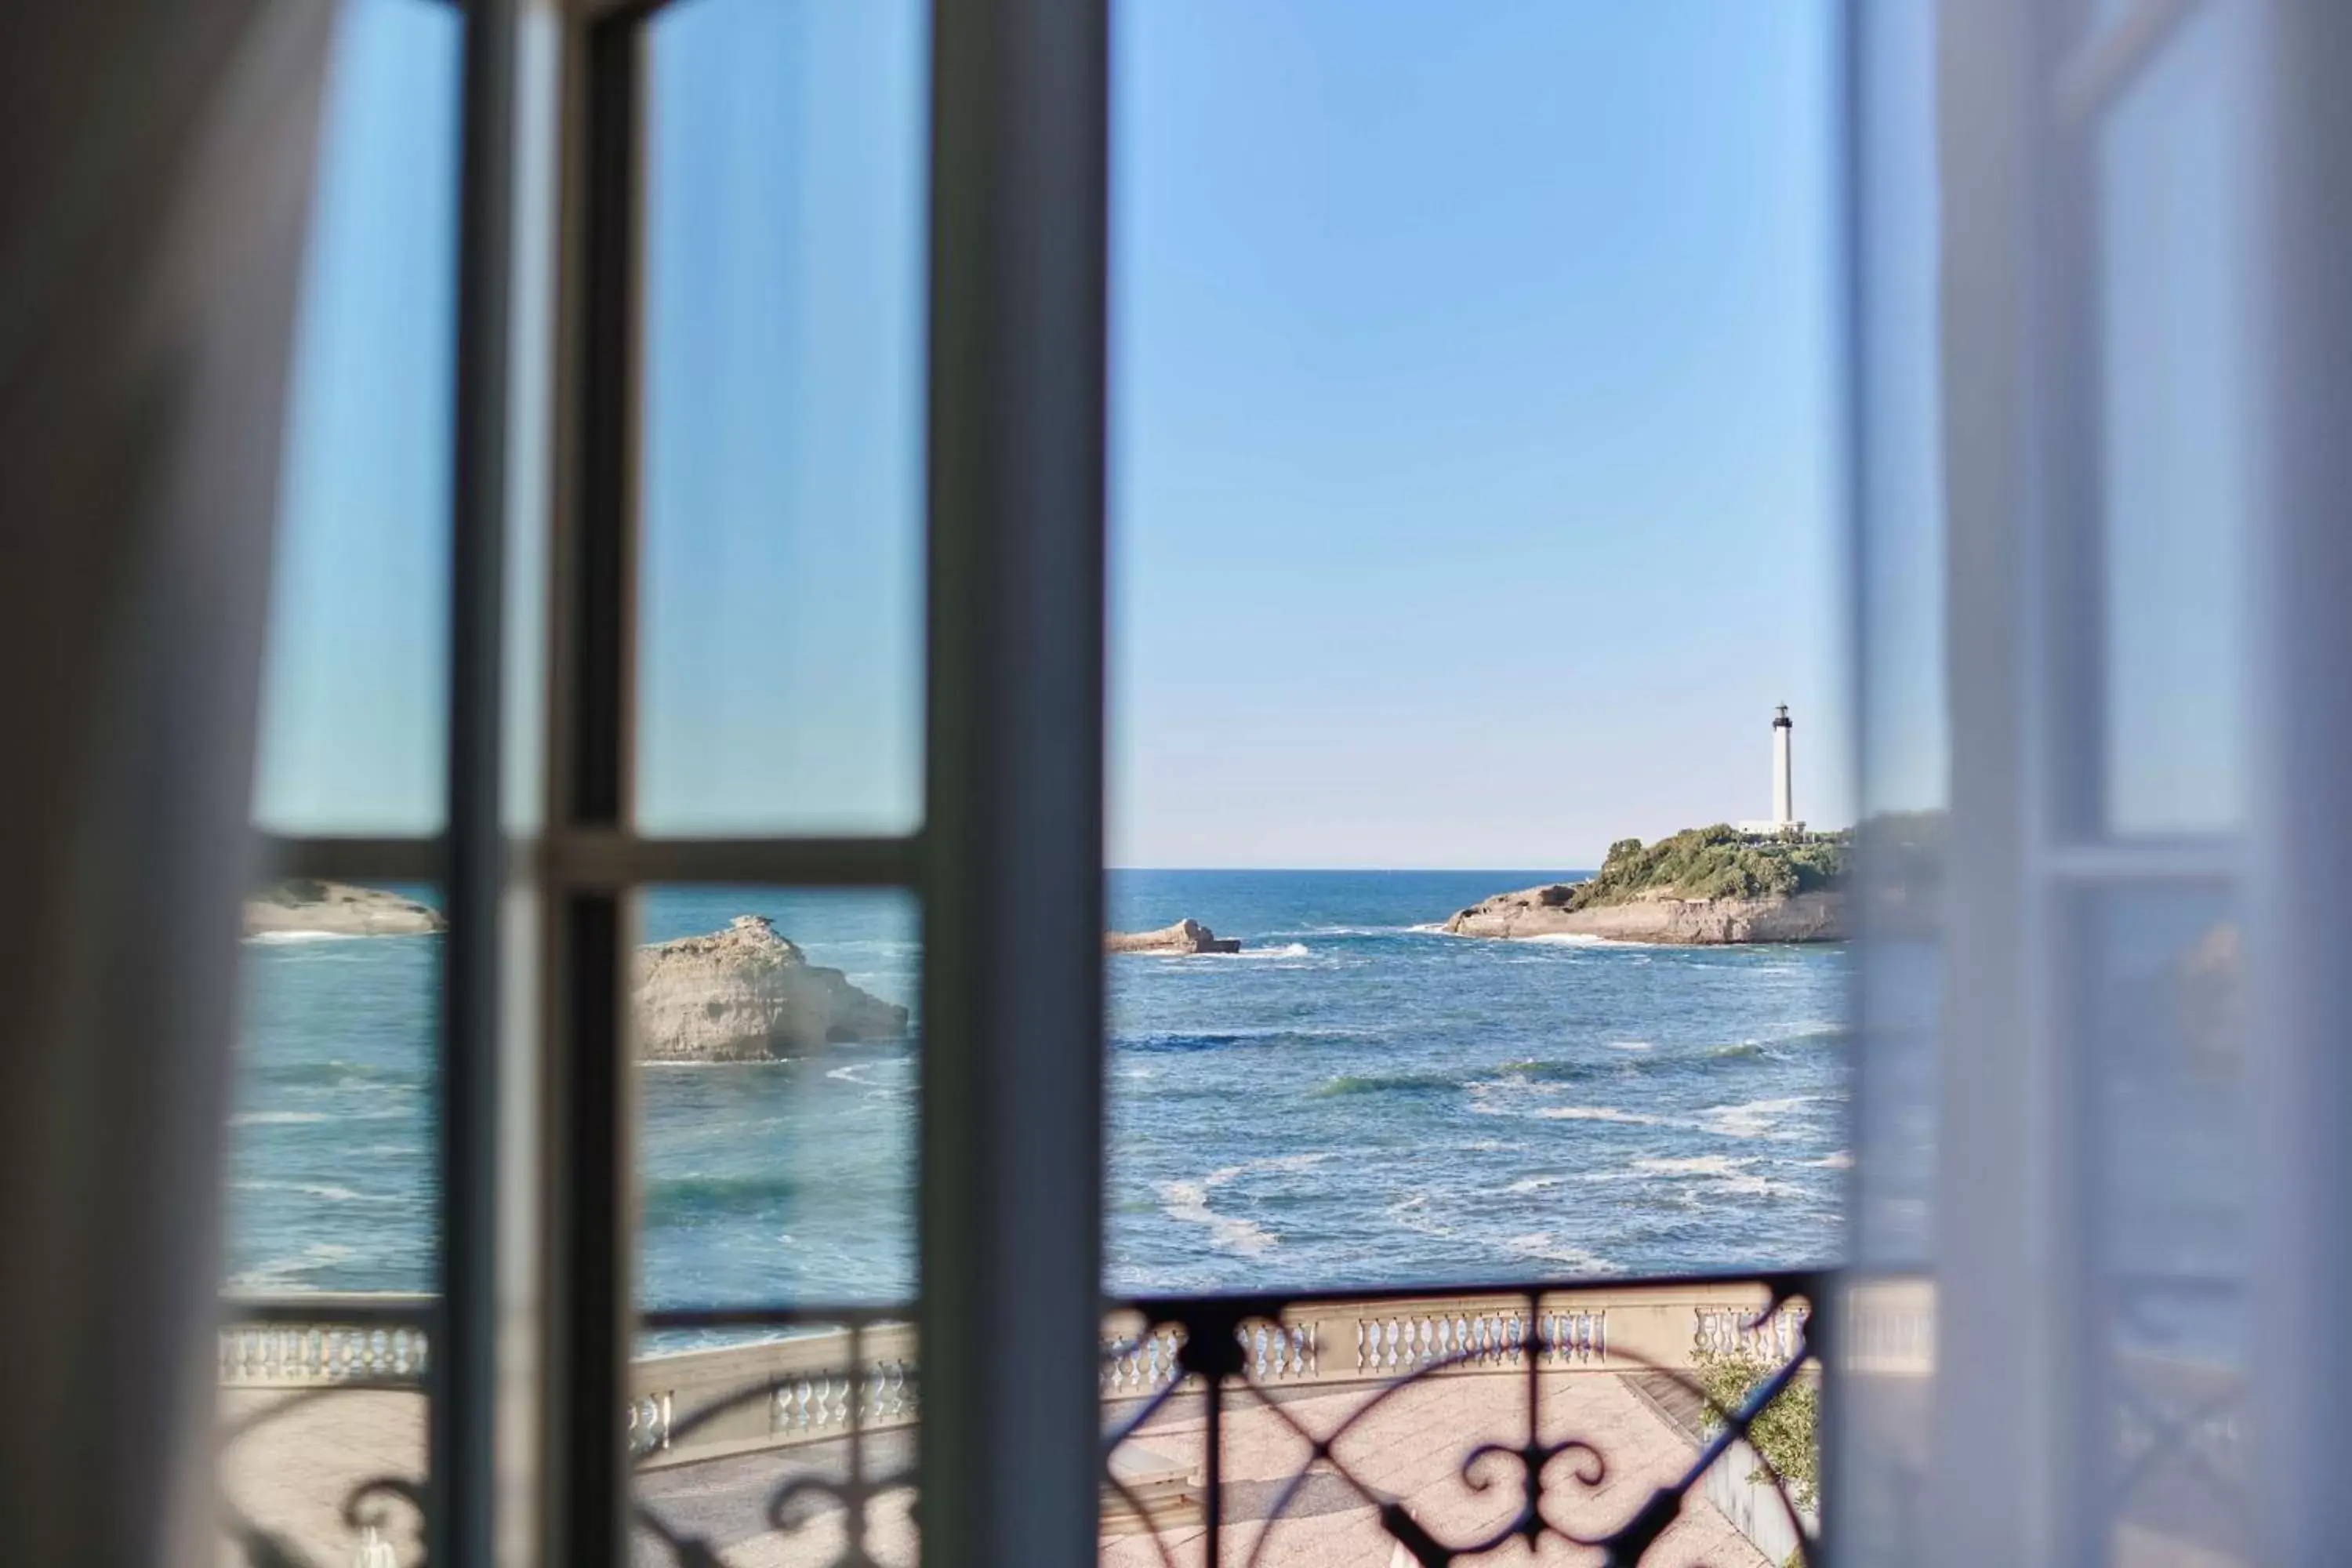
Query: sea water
(1354, 1098)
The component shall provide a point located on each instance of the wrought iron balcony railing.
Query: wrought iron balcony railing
(1612, 1421)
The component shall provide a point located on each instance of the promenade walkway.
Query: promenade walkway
(292, 1473)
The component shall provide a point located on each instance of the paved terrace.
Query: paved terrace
(293, 1471)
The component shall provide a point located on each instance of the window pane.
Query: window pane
(2176, 174)
(780, 605)
(352, 715)
(331, 1183)
(781, 1446)
(1900, 582)
(1886, 1389)
(332, 1212)
(778, 1038)
(778, 1084)
(2168, 1024)
(294, 1458)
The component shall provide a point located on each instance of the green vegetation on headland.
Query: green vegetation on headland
(1717, 862)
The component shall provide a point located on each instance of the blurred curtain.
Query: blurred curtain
(155, 167)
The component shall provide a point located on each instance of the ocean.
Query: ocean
(1354, 1098)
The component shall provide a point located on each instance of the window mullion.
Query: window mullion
(463, 1373)
(1011, 1070)
(587, 1099)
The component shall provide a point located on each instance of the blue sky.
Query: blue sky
(1473, 465)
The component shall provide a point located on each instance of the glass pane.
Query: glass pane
(791, 1446)
(1886, 1390)
(1900, 583)
(353, 701)
(331, 1212)
(305, 1465)
(2169, 1023)
(781, 604)
(2178, 177)
(330, 1143)
(779, 1045)
(779, 1042)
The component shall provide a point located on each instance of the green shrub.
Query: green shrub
(1715, 862)
(1787, 1431)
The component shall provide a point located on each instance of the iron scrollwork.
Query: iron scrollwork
(1534, 1469)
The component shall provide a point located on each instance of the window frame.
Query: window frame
(2025, 1296)
(534, 1032)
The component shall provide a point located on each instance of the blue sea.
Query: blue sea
(1353, 1099)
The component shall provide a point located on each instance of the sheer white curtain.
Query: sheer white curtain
(2104, 312)
(153, 188)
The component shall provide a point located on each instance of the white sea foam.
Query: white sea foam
(1410, 1212)
(1189, 1202)
(284, 1273)
(1573, 939)
(1541, 1246)
(275, 1118)
(1287, 950)
(1532, 1183)
(287, 938)
(1839, 1161)
(1435, 928)
(1721, 1167)
(1291, 1162)
(322, 1190)
(1631, 1046)
(1599, 1113)
(1756, 1119)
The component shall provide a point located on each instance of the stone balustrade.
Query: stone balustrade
(699, 1404)
(350, 1341)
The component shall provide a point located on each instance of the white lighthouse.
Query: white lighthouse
(1784, 789)
(1784, 795)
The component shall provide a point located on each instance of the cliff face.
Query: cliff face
(1184, 936)
(747, 995)
(337, 909)
(1543, 911)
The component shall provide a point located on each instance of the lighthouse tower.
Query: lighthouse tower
(1784, 801)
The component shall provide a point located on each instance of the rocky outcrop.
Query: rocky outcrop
(747, 995)
(1662, 918)
(337, 909)
(1184, 936)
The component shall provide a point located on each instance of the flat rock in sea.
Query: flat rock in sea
(1185, 936)
(746, 994)
(1662, 918)
(337, 909)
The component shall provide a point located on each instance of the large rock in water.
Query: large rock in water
(337, 909)
(1539, 911)
(1185, 936)
(746, 994)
